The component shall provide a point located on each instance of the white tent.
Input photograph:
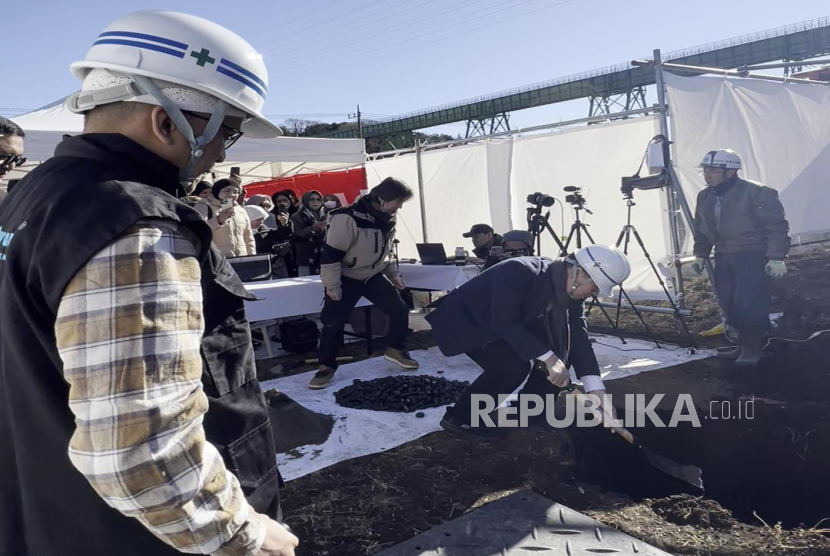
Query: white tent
(258, 159)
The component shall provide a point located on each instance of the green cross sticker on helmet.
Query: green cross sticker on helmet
(184, 50)
(203, 57)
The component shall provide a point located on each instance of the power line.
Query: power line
(269, 19)
(373, 38)
(352, 30)
(318, 25)
(284, 23)
(341, 65)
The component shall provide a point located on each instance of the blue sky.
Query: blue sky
(396, 56)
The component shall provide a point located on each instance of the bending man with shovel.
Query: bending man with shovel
(521, 311)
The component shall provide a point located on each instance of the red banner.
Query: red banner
(347, 183)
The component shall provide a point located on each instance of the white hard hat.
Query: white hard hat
(185, 50)
(721, 158)
(607, 266)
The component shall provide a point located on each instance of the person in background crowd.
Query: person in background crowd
(232, 232)
(203, 190)
(256, 215)
(517, 243)
(11, 149)
(293, 205)
(744, 221)
(280, 219)
(309, 233)
(267, 203)
(275, 242)
(131, 418)
(483, 240)
(331, 202)
(356, 263)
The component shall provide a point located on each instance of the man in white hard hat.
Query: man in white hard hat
(131, 420)
(522, 311)
(744, 221)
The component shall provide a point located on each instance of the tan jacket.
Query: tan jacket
(234, 237)
(357, 247)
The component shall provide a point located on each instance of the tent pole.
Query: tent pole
(672, 190)
(421, 190)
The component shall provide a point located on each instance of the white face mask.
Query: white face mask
(330, 204)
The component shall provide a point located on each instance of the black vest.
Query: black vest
(65, 211)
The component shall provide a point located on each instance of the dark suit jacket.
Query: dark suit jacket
(522, 301)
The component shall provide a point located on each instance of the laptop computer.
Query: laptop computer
(432, 253)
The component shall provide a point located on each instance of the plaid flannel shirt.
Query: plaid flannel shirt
(128, 331)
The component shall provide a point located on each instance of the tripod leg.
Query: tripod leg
(663, 285)
(614, 326)
(588, 234)
(558, 241)
(639, 316)
(568, 240)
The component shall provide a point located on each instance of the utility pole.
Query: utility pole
(359, 125)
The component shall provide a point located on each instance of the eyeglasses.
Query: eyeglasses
(9, 159)
(233, 134)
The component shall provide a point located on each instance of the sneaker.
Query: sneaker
(402, 358)
(322, 378)
(450, 425)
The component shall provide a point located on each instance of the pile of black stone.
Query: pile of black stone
(400, 393)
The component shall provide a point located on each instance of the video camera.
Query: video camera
(540, 199)
(575, 197)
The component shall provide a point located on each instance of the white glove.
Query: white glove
(698, 265)
(558, 375)
(776, 269)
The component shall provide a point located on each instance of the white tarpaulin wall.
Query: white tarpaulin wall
(780, 130)
(259, 159)
(596, 158)
(488, 181)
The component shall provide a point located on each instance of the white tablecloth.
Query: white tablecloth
(289, 297)
(437, 277)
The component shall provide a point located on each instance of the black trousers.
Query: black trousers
(377, 289)
(744, 289)
(504, 371)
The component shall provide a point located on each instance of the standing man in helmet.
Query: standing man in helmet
(744, 221)
(521, 311)
(131, 420)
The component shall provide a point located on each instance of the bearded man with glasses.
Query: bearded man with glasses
(11, 149)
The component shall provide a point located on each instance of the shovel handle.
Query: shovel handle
(627, 436)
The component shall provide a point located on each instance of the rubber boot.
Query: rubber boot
(730, 353)
(752, 343)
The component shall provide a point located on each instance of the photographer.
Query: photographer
(309, 233)
(517, 243)
(231, 227)
(271, 241)
(484, 239)
(521, 311)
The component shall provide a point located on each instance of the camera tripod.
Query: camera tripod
(578, 228)
(536, 223)
(624, 239)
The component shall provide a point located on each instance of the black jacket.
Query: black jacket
(522, 301)
(95, 188)
(751, 219)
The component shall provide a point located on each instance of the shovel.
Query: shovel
(689, 474)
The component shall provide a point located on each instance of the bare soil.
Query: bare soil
(766, 478)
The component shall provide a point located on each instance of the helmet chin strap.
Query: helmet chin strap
(197, 144)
